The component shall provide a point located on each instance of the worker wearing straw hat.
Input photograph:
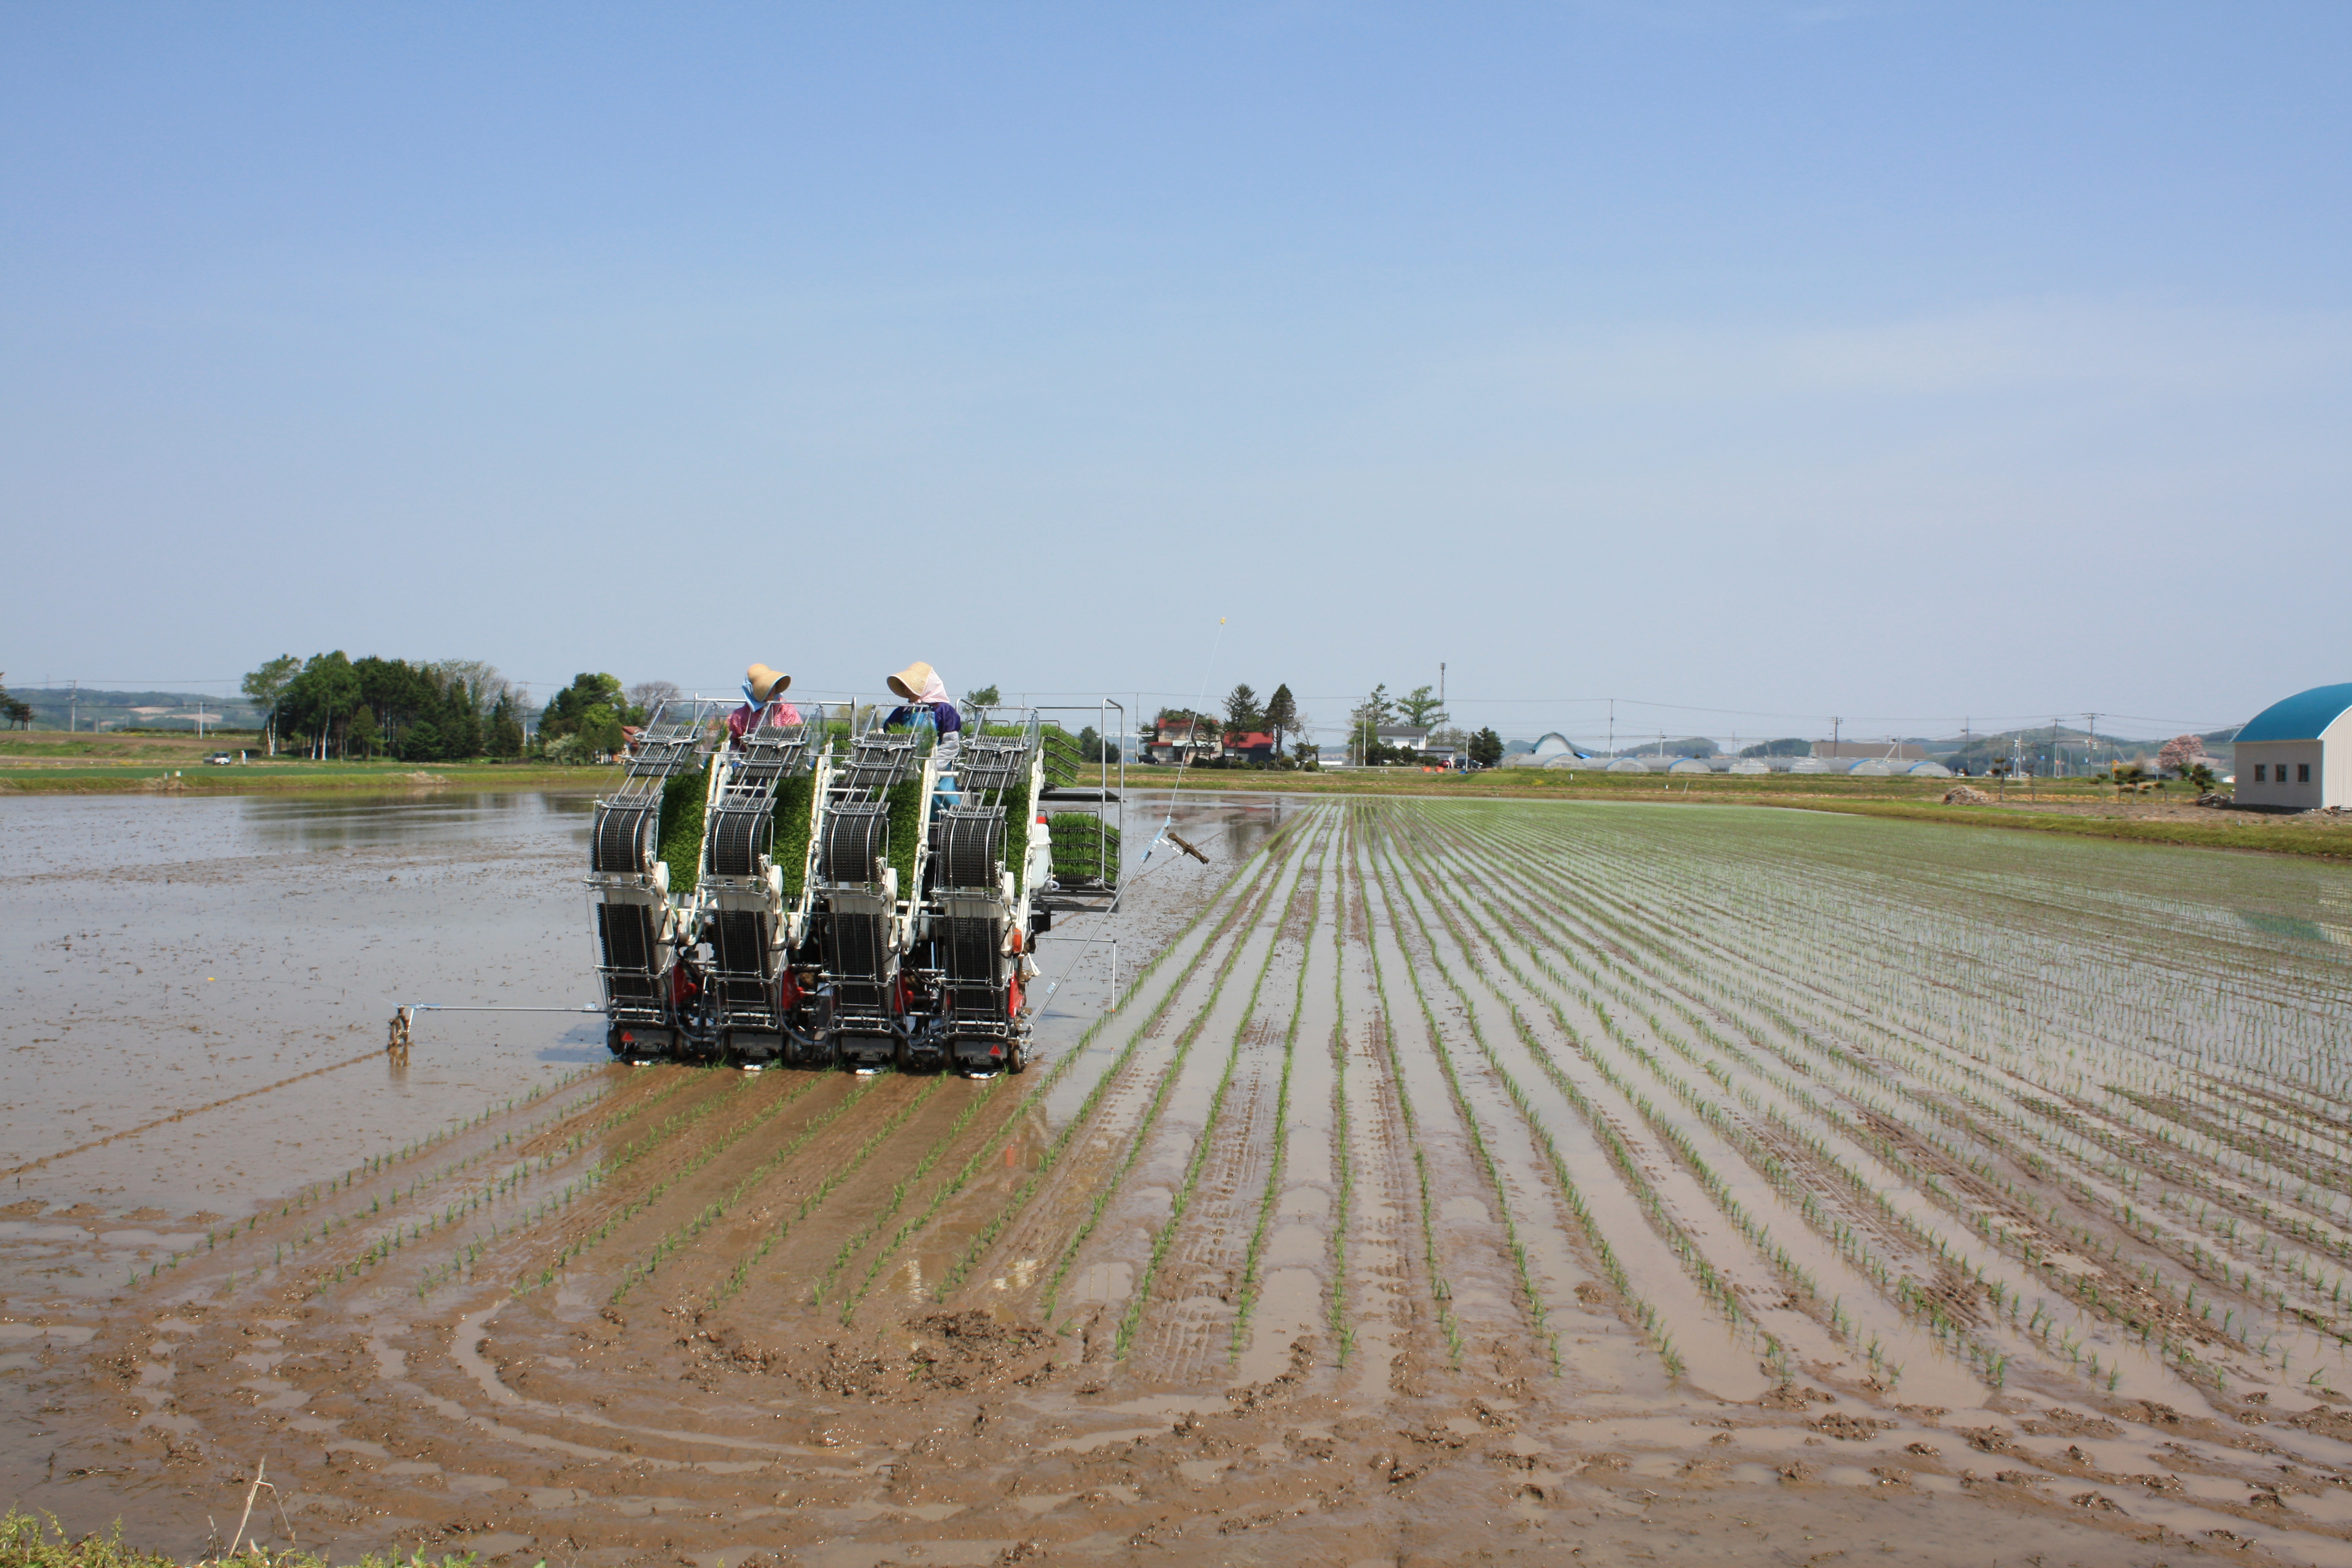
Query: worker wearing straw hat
(763, 691)
(922, 694)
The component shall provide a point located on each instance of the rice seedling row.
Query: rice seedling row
(1273, 894)
(1292, 901)
(2021, 1171)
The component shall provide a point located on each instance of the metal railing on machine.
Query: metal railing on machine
(1087, 856)
(743, 880)
(628, 879)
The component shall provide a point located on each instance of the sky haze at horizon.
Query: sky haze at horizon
(1910, 363)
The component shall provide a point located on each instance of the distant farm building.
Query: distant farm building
(1182, 741)
(1552, 750)
(2297, 752)
(1872, 751)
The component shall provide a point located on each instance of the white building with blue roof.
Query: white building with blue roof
(2297, 752)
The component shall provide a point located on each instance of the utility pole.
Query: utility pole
(73, 708)
(1441, 688)
(1835, 725)
(1612, 726)
(2091, 750)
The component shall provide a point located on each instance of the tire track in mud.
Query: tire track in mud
(671, 1160)
(1913, 1295)
(399, 1198)
(800, 1175)
(1191, 1282)
(1094, 1183)
(1093, 1075)
(563, 1165)
(2059, 1377)
(1374, 1304)
(1290, 1267)
(384, 1226)
(1680, 1156)
(1150, 993)
(1489, 1138)
(2083, 1137)
(839, 1139)
(1506, 1081)
(1464, 1241)
(1921, 1228)
(843, 1121)
(1405, 970)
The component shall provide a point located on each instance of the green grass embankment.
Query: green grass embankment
(2231, 830)
(114, 764)
(2080, 807)
(34, 1541)
(301, 778)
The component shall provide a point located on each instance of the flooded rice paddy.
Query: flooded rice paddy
(1441, 1180)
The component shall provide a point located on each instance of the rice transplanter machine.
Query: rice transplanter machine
(832, 893)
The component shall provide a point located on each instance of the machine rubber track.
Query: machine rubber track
(857, 923)
(639, 924)
(751, 993)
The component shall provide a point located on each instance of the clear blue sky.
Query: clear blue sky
(1903, 360)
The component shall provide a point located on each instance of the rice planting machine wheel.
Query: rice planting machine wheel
(643, 925)
(974, 935)
(858, 923)
(749, 912)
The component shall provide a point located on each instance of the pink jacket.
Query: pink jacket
(776, 714)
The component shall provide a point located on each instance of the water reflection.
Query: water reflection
(1225, 827)
(579, 1043)
(321, 824)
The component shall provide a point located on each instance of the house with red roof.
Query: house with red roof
(1181, 740)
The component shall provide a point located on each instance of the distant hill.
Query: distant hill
(55, 705)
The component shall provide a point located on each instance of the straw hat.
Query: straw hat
(766, 683)
(910, 683)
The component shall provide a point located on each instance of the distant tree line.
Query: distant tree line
(585, 720)
(336, 706)
(1419, 708)
(1276, 717)
(1279, 719)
